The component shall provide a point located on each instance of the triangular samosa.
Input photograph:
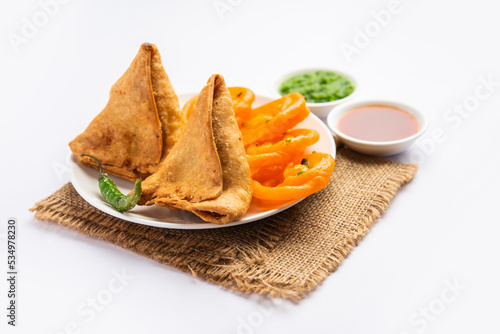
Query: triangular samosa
(206, 172)
(139, 125)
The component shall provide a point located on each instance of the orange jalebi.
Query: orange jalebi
(242, 103)
(282, 150)
(290, 141)
(299, 180)
(272, 119)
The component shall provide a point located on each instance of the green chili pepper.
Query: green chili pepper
(111, 193)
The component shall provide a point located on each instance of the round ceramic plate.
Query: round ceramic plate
(84, 180)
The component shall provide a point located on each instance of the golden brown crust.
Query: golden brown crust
(234, 200)
(140, 123)
(126, 136)
(192, 171)
(171, 117)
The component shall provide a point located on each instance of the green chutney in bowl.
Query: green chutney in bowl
(323, 88)
(318, 86)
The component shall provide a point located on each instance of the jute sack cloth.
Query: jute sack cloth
(285, 255)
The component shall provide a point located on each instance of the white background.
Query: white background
(442, 227)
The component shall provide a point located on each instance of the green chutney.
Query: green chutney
(318, 86)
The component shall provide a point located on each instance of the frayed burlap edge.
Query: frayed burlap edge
(262, 281)
(239, 267)
(195, 254)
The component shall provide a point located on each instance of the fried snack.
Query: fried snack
(139, 125)
(287, 193)
(290, 141)
(258, 161)
(206, 172)
(299, 180)
(193, 169)
(242, 102)
(281, 151)
(167, 103)
(272, 119)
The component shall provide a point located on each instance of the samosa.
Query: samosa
(206, 172)
(140, 124)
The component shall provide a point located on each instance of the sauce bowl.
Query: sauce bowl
(377, 148)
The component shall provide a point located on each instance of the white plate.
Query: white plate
(84, 180)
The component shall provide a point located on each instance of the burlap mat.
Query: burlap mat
(285, 255)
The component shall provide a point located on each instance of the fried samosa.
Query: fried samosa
(206, 172)
(140, 124)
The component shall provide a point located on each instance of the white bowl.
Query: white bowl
(384, 148)
(320, 109)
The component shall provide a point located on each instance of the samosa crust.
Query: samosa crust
(142, 114)
(192, 171)
(170, 114)
(236, 195)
